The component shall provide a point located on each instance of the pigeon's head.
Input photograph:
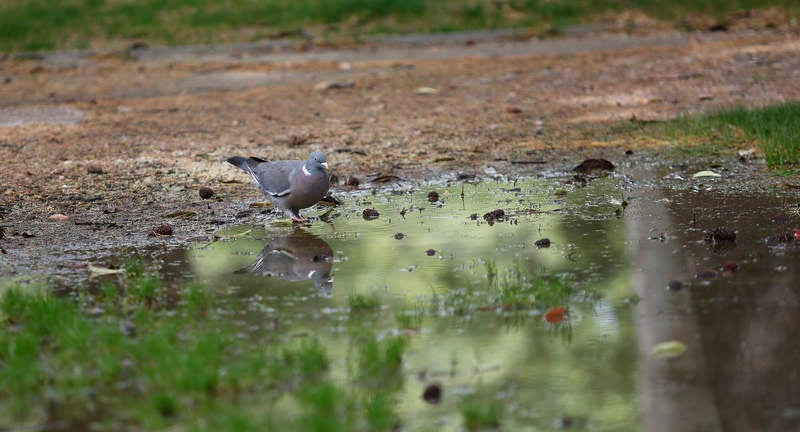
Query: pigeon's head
(316, 161)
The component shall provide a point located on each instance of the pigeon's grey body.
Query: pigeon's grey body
(296, 257)
(291, 184)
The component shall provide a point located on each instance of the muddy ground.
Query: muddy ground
(120, 142)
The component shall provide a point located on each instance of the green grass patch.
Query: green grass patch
(157, 367)
(521, 290)
(363, 302)
(27, 25)
(481, 414)
(409, 319)
(510, 289)
(378, 360)
(775, 129)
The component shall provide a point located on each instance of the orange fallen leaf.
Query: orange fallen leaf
(555, 315)
(58, 217)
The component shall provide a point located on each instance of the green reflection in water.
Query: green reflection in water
(579, 372)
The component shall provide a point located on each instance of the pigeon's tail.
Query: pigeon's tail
(247, 165)
(238, 161)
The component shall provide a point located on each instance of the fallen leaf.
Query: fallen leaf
(173, 188)
(240, 234)
(102, 271)
(426, 91)
(670, 349)
(555, 315)
(386, 179)
(179, 214)
(705, 174)
(748, 152)
(323, 86)
(58, 217)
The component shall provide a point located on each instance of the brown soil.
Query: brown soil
(145, 130)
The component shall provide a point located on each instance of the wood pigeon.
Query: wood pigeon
(290, 184)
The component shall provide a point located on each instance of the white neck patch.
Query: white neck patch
(305, 170)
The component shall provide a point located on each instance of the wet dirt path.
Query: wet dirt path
(121, 143)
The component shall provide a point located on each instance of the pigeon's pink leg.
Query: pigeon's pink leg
(299, 220)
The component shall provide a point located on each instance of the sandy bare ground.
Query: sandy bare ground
(144, 130)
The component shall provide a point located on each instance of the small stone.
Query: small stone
(94, 169)
(784, 237)
(206, 192)
(542, 243)
(565, 423)
(730, 266)
(162, 230)
(780, 219)
(590, 165)
(300, 139)
(675, 285)
(432, 393)
(706, 274)
(430, 252)
(494, 216)
(399, 236)
(513, 109)
(329, 201)
(370, 214)
(721, 234)
(58, 217)
(433, 196)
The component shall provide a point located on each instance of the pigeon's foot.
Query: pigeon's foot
(300, 220)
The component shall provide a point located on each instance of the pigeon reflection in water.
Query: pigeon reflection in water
(296, 257)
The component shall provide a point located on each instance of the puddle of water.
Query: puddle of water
(596, 370)
(438, 270)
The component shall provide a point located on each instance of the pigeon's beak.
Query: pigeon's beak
(325, 166)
